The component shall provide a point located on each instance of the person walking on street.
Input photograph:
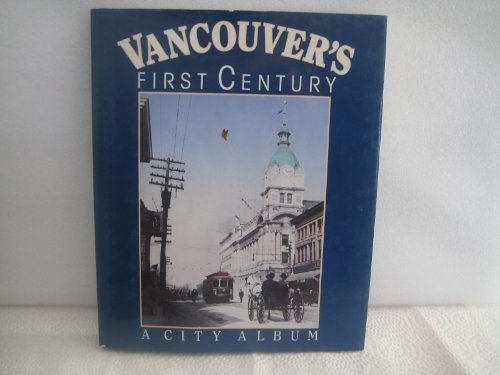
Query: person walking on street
(241, 294)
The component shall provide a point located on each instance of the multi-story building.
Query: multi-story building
(146, 151)
(266, 242)
(308, 230)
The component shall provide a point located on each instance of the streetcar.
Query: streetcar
(218, 287)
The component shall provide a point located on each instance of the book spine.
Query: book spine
(98, 147)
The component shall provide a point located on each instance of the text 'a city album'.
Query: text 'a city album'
(235, 176)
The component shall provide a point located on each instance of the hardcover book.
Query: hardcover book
(235, 178)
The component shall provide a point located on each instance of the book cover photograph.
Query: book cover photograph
(235, 175)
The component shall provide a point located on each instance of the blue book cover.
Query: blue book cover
(235, 178)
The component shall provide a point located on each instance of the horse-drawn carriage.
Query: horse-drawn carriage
(276, 296)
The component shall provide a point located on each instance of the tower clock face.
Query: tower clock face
(287, 170)
(273, 171)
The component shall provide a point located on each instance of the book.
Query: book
(235, 178)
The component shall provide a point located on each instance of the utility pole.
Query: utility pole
(170, 181)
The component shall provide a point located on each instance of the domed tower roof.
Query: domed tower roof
(283, 154)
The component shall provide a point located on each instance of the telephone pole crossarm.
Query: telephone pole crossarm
(153, 182)
(176, 187)
(170, 181)
(173, 178)
(176, 162)
(157, 175)
(158, 167)
(176, 170)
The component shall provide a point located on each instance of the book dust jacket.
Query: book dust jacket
(235, 178)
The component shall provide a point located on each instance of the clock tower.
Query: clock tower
(284, 180)
(266, 242)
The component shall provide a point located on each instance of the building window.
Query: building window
(284, 257)
(320, 222)
(319, 249)
(314, 250)
(289, 198)
(284, 240)
(282, 197)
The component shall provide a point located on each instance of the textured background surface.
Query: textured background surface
(436, 235)
(432, 340)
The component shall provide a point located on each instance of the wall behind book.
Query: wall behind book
(438, 221)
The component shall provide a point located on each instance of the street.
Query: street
(227, 315)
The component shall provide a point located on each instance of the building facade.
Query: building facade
(266, 242)
(308, 239)
(308, 230)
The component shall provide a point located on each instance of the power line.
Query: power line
(186, 127)
(176, 124)
(162, 134)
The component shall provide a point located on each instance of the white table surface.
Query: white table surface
(411, 340)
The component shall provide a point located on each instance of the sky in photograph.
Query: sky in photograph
(219, 173)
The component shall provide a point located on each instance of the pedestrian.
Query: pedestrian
(194, 294)
(241, 294)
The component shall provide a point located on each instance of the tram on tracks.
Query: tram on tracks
(218, 287)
